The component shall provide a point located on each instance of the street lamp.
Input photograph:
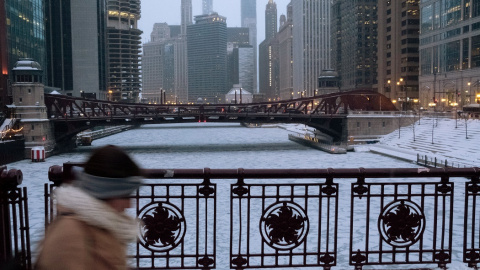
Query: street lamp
(455, 104)
(401, 83)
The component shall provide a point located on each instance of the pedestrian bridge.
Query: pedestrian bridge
(327, 113)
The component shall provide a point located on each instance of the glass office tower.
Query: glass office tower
(449, 53)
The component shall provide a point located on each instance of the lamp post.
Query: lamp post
(240, 95)
(469, 92)
(401, 83)
(433, 104)
(455, 104)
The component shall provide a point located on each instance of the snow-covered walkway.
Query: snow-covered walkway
(454, 140)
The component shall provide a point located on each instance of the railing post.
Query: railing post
(8, 183)
(5, 236)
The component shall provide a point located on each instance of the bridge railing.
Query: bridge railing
(293, 218)
(14, 225)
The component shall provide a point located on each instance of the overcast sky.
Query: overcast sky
(157, 11)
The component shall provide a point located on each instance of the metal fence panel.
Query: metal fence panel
(178, 228)
(283, 225)
(403, 223)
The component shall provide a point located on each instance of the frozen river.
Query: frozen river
(201, 145)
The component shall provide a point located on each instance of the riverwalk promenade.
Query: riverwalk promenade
(454, 141)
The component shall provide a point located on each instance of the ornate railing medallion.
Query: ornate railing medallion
(163, 226)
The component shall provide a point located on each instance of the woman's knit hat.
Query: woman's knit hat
(109, 173)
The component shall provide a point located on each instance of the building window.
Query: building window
(358, 124)
(383, 124)
(33, 127)
(369, 124)
(29, 90)
(20, 99)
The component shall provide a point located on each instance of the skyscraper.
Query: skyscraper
(207, 6)
(207, 58)
(180, 50)
(270, 20)
(76, 51)
(124, 45)
(239, 58)
(157, 66)
(249, 19)
(186, 15)
(23, 28)
(311, 46)
(398, 56)
(268, 55)
(285, 55)
(354, 27)
(160, 32)
(4, 71)
(449, 54)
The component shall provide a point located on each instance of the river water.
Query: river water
(200, 145)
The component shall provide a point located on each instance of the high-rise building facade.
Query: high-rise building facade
(245, 67)
(180, 51)
(25, 36)
(76, 47)
(186, 15)
(249, 19)
(124, 46)
(4, 71)
(207, 6)
(238, 36)
(207, 58)
(270, 20)
(398, 54)
(311, 46)
(160, 32)
(240, 59)
(158, 66)
(285, 55)
(449, 54)
(268, 69)
(354, 43)
(268, 55)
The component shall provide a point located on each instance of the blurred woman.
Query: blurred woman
(91, 230)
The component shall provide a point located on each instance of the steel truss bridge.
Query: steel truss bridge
(71, 115)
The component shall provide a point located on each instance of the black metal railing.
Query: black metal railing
(293, 218)
(14, 226)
